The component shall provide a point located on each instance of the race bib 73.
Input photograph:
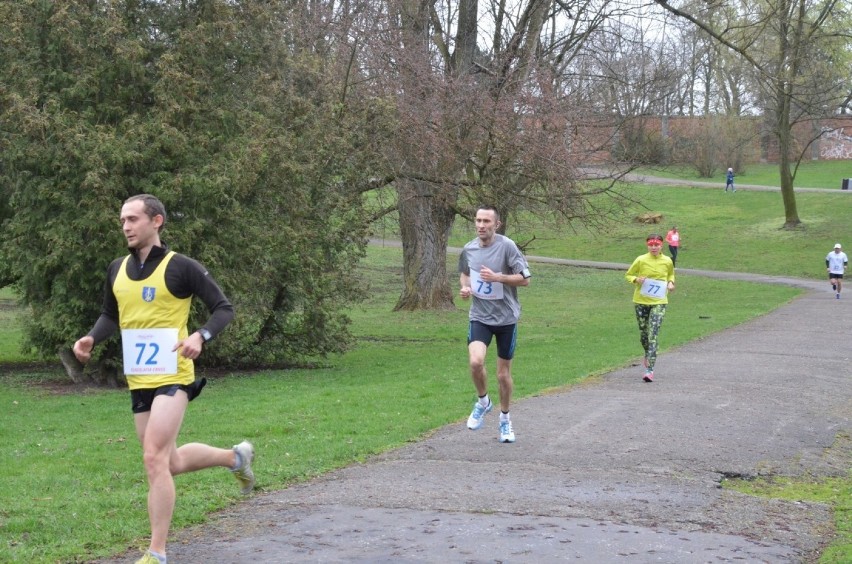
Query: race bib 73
(485, 290)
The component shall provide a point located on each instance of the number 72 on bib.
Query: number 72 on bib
(149, 351)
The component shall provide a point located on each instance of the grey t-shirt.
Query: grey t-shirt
(493, 303)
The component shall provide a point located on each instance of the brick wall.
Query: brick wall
(834, 143)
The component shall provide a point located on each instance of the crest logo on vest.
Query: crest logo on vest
(148, 293)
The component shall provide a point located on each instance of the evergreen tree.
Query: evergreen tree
(241, 134)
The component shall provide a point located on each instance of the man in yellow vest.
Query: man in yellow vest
(147, 296)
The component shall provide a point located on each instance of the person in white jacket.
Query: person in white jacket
(835, 263)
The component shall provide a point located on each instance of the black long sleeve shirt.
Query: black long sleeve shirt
(184, 277)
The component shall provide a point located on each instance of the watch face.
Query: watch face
(205, 334)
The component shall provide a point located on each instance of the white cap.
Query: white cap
(837, 246)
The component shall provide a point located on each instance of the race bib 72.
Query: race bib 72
(149, 351)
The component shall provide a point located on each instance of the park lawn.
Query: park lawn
(739, 232)
(75, 488)
(11, 330)
(811, 174)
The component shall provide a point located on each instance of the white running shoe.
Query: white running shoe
(477, 416)
(243, 474)
(507, 434)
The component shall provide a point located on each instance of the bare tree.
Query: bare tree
(792, 46)
(484, 115)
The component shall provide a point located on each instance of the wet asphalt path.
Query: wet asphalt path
(613, 470)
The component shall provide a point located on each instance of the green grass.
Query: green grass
(730, 232)
(811, 174)
(11, 333)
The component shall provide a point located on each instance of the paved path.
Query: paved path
(720, 184)
(612, 470)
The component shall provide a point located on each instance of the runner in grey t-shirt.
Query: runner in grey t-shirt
(491, 267)
(494, 303)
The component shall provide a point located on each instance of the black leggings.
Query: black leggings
(673, 252)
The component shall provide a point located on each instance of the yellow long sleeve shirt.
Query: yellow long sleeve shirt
(659, 268)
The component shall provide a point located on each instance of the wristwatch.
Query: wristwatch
(205, 334)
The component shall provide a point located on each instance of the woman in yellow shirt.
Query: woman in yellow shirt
(652, 274)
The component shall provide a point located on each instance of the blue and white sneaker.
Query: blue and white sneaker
(477, 416)
(507, 435)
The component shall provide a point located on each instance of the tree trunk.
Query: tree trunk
(791, 212)
(784, 131)
(100, 373)
(72, 366)
(462, 58)
(425, 220)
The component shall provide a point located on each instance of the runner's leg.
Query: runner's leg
(655, 320)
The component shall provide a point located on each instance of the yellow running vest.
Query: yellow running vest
(152, 321)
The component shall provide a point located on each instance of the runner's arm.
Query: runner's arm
(186, 277)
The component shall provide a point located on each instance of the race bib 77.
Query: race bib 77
(654, 288)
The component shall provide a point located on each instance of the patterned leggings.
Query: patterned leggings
(650, 317)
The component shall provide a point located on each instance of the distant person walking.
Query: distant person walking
(491, 267)
(652, 274)
(729, 181)
(673, 239)
(836, 263)
(147, 295)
